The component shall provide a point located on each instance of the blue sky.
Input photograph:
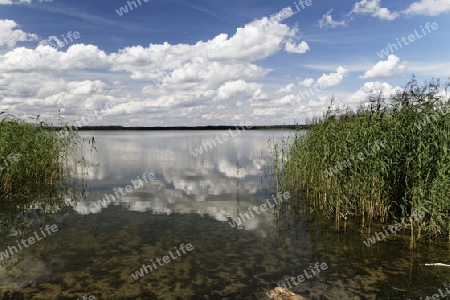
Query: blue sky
(170, 63)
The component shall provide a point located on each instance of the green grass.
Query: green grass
(412, 173)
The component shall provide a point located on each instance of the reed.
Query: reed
(42, 176)
(412, 173)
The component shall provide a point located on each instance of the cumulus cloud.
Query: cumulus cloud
(328, 22)
(321, 101)
(428, 7)
(10, 33)
(264, 112)
(315, 86)
(85, 87)
(255, 41)
(333, 79)
(291, 47)
(286, 89)
(287, 99)
(390, 68)
(10, 2)
(363, 7)
(283, 14)
(78, 56)
(232, 88)
(306, 82)
(373, 89)
(53, 41)
(373, 8)
(221, 71)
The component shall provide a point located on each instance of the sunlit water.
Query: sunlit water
(192, 200)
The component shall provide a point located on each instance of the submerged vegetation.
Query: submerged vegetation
(38, 170)
(340, 169)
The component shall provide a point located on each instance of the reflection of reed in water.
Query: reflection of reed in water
(237, 194)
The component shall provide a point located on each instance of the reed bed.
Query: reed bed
(39, 164)
(410, 174)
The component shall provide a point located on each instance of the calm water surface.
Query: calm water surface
(192, 200)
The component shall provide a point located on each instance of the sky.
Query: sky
(212, 62)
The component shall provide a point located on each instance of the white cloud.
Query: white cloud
(264, 112)
(373, 89)
(428, 7)
(257, 40)
(9, 2)
(306, 82)
(78, 56)
(86, 87)
(52, 41)
(363, 7)
(327, 21)
(286, 89)
(333, 79)
(287, 99)
(10, 33)
(390, 68)
(291, 47)
(321, 101)
(352, 67)
(232, 88)
(223, 69)
(283, 14)
(429, 68)
(373, 7)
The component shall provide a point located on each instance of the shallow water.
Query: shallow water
(192, 200)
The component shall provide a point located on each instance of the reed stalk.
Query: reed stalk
(411, 174)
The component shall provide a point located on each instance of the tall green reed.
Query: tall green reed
(411, 174)
(44, 180)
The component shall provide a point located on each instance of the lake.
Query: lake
(162, 223)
